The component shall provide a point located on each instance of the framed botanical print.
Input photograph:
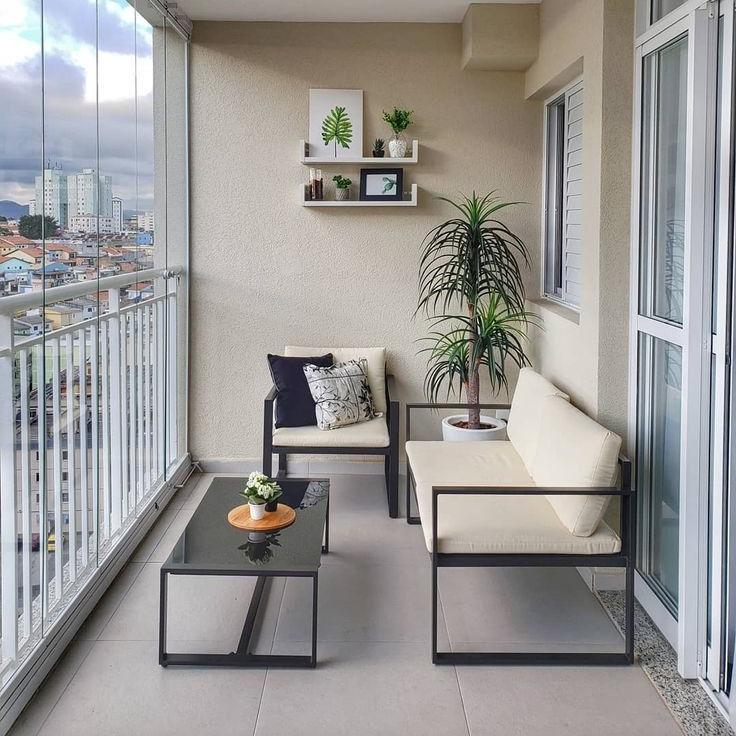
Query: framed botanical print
(381, 185)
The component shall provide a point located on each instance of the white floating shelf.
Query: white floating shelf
(362, 160)
(358, 203)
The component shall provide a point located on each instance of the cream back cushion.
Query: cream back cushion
(376, 358)
(526, 406)
(575, 451)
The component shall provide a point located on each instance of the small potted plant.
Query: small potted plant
(379, 150)
(262, 494)
(399, 120)
(342, 187)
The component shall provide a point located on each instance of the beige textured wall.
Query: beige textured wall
(266, 271)
(586, 354)
(500, 36)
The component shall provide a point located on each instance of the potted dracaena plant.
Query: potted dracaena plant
(471, 289)
(262, 494)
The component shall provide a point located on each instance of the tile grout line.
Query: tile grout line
(122, 598)
(265, 674)
(454, 668)
(175, 511)
(93, 642)
(66, 687)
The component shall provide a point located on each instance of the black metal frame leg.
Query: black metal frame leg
(326, 545)
(242, 656)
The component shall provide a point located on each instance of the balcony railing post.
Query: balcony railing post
(8, 496)
(116, 439)
(173, 367)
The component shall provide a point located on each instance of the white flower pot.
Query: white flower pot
(342, 194)
(451, 433)
(257, 510)
(397, 147)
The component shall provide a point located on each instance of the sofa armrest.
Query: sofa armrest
(432, 405)
(268, 412)
(392, 392)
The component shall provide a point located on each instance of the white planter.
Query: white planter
(342, 194)
(451, 433)
(397, 147)
(257, 510)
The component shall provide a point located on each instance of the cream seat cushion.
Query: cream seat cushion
(523, 427)
(492, 524)
(376, 358)
(373, 433)
(576, 451)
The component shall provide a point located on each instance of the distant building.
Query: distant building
(13, 265)
(30, 325)
(145, 221)
(31, 255)
(89, 223)
(90, 195)
(51, 190)
(144, 239)
(117, 214)
(9, 243)
(32, 207)
(60, 252)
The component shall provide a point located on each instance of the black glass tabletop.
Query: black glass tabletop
(210, 543)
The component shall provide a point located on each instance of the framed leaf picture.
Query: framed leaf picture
(336, 123)
(381, 185)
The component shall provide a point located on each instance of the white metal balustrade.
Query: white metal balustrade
(88, 424)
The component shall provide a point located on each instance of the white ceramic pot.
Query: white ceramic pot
(342, 194)
(257, 510)
(397, 147)
(451, 433)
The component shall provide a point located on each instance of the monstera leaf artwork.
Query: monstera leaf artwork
(337, 128)
(389, 185)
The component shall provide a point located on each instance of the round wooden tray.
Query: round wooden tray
(273, 520)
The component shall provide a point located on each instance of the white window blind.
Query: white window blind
(572, 216)
(563, 196)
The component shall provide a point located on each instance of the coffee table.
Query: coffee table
(211, 546)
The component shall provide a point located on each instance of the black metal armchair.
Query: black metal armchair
(375, 440)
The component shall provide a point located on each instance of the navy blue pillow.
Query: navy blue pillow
(294, 403)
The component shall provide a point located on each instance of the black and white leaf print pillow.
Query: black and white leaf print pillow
(341, 393)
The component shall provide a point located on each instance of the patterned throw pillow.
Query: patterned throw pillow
(341, 393)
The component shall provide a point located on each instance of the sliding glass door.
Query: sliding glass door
(719, 634)
(682, 331)
(660, 312)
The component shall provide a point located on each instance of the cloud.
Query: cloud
(71, 93)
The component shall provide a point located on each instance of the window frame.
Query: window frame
(553, 196)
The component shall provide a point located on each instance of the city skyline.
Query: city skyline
(84, 93)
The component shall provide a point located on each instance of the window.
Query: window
(660, 8)
(563, 195)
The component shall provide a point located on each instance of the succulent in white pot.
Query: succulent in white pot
(398, 120)
(471, 289)
(261, 493)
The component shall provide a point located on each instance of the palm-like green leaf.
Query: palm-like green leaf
(491, 337)
(471, 256)
(337, 127)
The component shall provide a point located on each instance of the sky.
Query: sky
(80, 87)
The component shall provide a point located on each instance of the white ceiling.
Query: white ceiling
(339, 11)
